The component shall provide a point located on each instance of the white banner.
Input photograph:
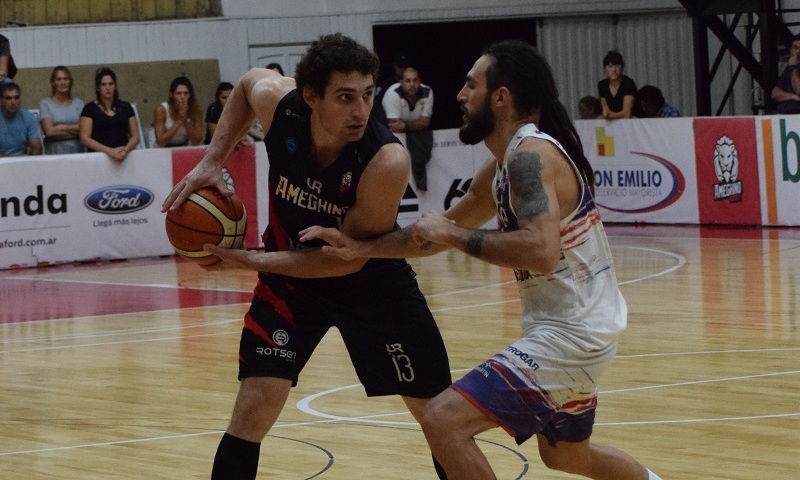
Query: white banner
(79, 207)
(450, 173)
(644, 169)
(57, 209)
(779, 169)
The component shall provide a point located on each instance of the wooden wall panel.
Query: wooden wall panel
(61, 12)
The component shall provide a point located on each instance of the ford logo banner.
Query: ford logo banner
(118, 199)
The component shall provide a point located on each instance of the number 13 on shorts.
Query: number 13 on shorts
(402, 362)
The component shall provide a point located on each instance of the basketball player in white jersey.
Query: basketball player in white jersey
(545, 383)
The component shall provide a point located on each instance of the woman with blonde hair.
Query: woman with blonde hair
(59, 115)
(179, 121)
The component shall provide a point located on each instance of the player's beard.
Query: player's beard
(478, 125)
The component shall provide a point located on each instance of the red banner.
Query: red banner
(726, 155)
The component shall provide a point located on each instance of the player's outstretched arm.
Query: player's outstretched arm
(472, 210)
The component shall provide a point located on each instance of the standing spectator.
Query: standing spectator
(19, 132)
(589, 108)
(399, 63)
(214, 111)
(786, 93)
(59, 115)
(650, 103)
(179, 121)
(7, 67)
(409, 107)
(108, 124)
(617, 92)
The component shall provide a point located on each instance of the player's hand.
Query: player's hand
(202, 175)
(432, 228)
(235, 259)
(339, 244)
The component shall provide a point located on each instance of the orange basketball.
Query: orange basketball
(206, 216)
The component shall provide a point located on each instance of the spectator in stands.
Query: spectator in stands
(7, 67)
(214, 112)
(276, 66)
(617, 92)
(59, 115)
(399, 63)
(650, 103)
(589, 108)
(786, 93)
(19, 131)
(178, 122)
(409, 107)
(108, 124)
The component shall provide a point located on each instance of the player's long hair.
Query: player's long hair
(520, 68)
(333, 53)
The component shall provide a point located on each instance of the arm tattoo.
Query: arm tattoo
(525, 176)
(475, 243)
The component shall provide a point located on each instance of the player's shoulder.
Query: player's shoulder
(267, 84)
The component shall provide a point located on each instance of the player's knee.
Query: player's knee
(562, 461)
(436, 420)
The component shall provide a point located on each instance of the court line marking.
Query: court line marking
(121, 332)
(304, 406)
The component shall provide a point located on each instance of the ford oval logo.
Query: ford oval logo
(118, 199)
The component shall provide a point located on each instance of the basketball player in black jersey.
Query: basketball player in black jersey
(329, 165)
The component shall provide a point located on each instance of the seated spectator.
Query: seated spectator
(409, 108)
(214, 112)
(19, 131)
(59, 115)
(617, 92)
(650, 103)
(108, 124)
(589, 108)
(7, 67)
(178, 122)
(275, 66)
(786, 93)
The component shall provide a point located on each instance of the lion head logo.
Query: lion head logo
(726, 160)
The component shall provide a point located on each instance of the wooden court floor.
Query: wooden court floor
(127, 370)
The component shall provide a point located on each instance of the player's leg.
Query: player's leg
(258, 404)
(591, 460)
(278, 337)
(450, 423)
(396, 347)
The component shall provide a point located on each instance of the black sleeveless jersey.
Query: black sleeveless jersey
(302, 194)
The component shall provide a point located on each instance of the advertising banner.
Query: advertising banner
(728, 190)
(450, 173)
(779, 139)
(82, 207)
(643, 169)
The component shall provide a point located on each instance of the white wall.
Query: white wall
(294, 8)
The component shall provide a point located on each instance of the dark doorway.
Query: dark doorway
(443, 53)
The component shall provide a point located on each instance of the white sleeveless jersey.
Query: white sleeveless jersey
(579, 302)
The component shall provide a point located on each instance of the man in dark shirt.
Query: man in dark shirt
(332, 165)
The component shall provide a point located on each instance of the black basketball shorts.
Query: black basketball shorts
(391, 336)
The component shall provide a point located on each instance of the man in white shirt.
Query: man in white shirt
(409, 107)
